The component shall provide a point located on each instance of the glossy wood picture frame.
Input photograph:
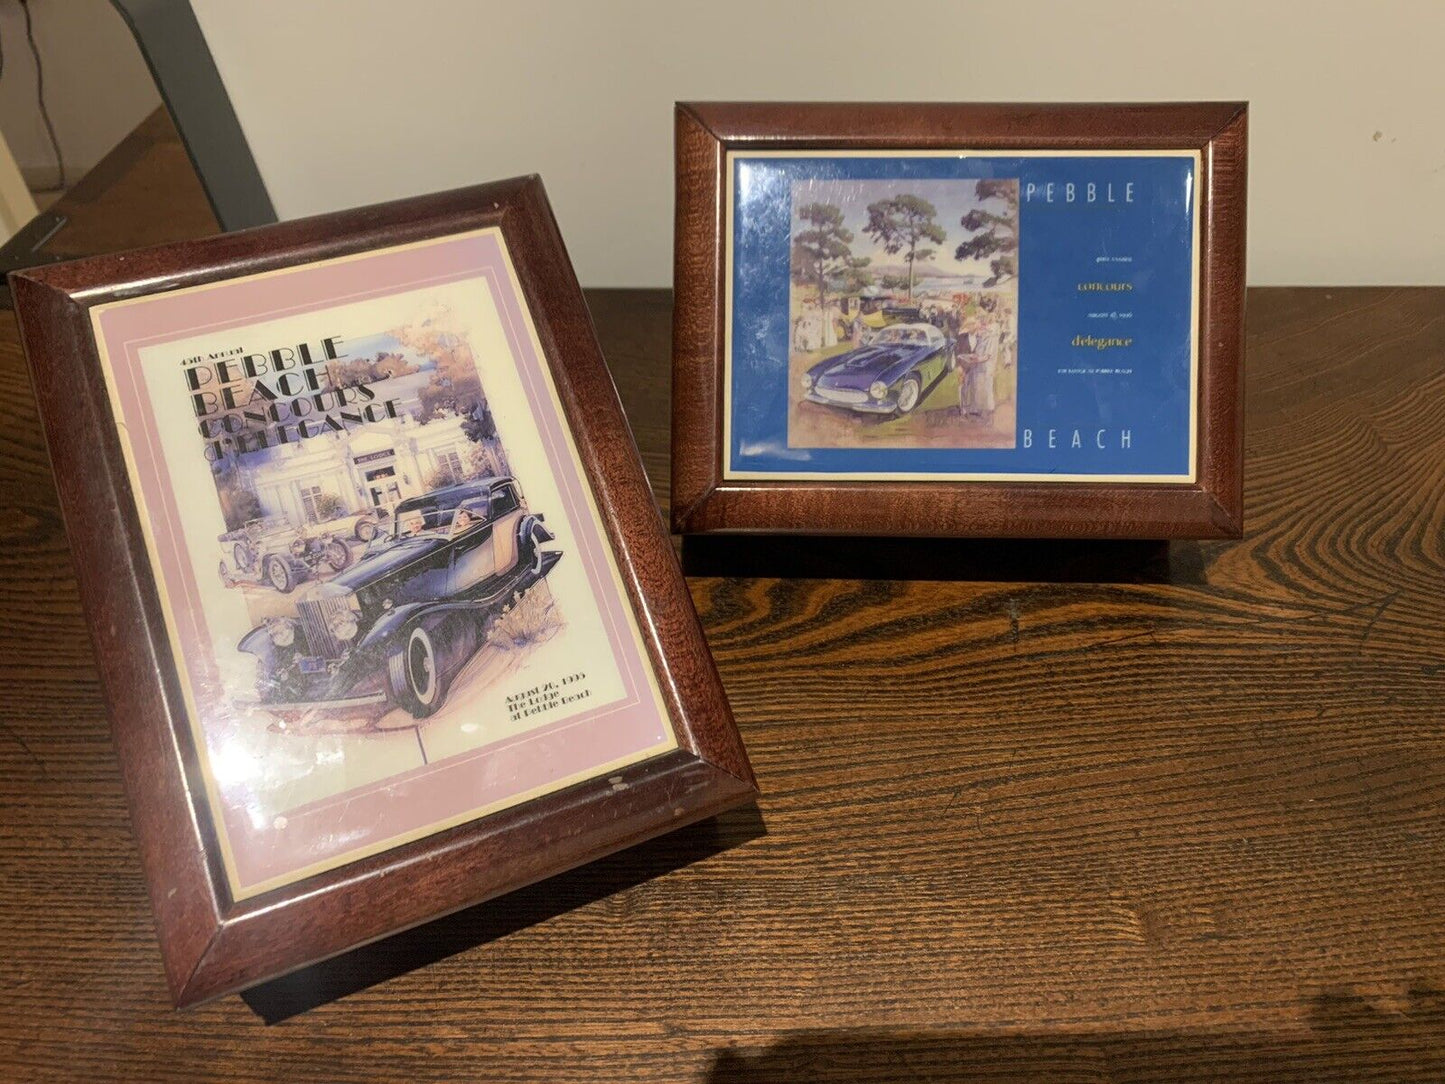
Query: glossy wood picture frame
(703, 500)
(212, 945)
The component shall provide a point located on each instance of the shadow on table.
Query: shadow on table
(369, 965)
(984, 560)
(1349, 1038)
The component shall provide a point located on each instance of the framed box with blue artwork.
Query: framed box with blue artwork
(953, 320)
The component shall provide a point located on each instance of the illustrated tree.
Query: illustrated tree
(995, 235)
(328, 507)
(823, 251)
(454, 384)
(902, 224)
(478, 424)
(441, 478)
(238, 503)
(351, 371)
(481, 429)
(855, 276)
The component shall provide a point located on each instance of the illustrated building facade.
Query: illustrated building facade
(373, 467)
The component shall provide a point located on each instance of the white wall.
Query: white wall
(361, 100)
(96, 84)
(350, 101)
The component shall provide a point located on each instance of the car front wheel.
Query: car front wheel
(365, 530)
(279, 574)
(908, 394)
(337, 554)
(415, 674)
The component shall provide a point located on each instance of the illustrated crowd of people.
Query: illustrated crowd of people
(981, 358)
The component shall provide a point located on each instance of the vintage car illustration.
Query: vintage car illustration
(397, 627)
(889, 375)
(362, 526)
(271, 551)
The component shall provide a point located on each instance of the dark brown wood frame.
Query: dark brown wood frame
(211, 944)
(703, 500)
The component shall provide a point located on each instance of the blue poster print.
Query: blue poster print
(962, 316)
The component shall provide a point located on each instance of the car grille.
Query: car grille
(842, 395)
(314, 614)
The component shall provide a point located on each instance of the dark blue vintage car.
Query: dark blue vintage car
(889, 375)
(397, 627)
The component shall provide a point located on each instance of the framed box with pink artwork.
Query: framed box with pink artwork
(388, 623)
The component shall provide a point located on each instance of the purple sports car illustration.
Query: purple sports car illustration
(890, 375)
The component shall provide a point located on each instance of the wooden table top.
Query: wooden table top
(1126, 811)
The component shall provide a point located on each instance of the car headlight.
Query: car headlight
(807, 381)
(878, 390)
(298, 547)
(343, 624)
(282, 631)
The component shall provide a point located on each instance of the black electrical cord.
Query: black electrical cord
(40, 97)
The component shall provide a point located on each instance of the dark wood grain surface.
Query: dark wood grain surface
(1089, 811)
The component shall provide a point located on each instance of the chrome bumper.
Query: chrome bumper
(345, 703)
(869, 407)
